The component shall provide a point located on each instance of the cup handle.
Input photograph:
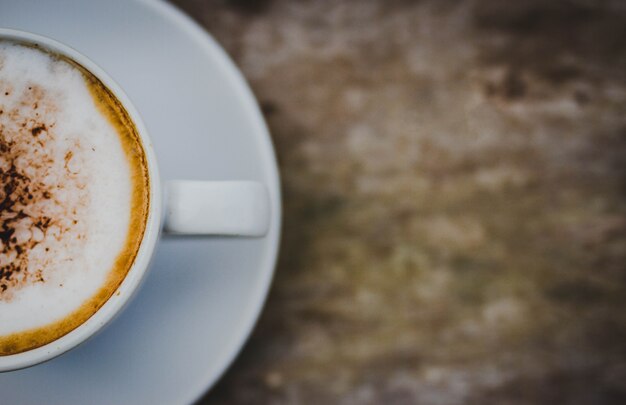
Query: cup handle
(232, 208)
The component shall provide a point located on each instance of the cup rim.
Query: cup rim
(137, 272)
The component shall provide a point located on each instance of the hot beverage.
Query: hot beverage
(74, 195)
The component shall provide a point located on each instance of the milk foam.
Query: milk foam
(80, 182)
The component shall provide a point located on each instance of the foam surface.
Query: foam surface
(65, 191)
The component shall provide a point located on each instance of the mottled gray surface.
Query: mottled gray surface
(454, 177)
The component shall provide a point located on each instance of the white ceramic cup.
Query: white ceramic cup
(181, 207)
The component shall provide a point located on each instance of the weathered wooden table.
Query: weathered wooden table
(454, 177)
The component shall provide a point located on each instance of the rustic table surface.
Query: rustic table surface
(454, 178)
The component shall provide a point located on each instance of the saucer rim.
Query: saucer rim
(257, 275)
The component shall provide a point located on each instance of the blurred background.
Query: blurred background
(454, 179)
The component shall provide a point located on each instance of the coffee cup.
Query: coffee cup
(68, 211)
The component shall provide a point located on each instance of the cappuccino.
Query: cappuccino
(74, 195)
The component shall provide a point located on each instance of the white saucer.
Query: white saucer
(202, 296)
